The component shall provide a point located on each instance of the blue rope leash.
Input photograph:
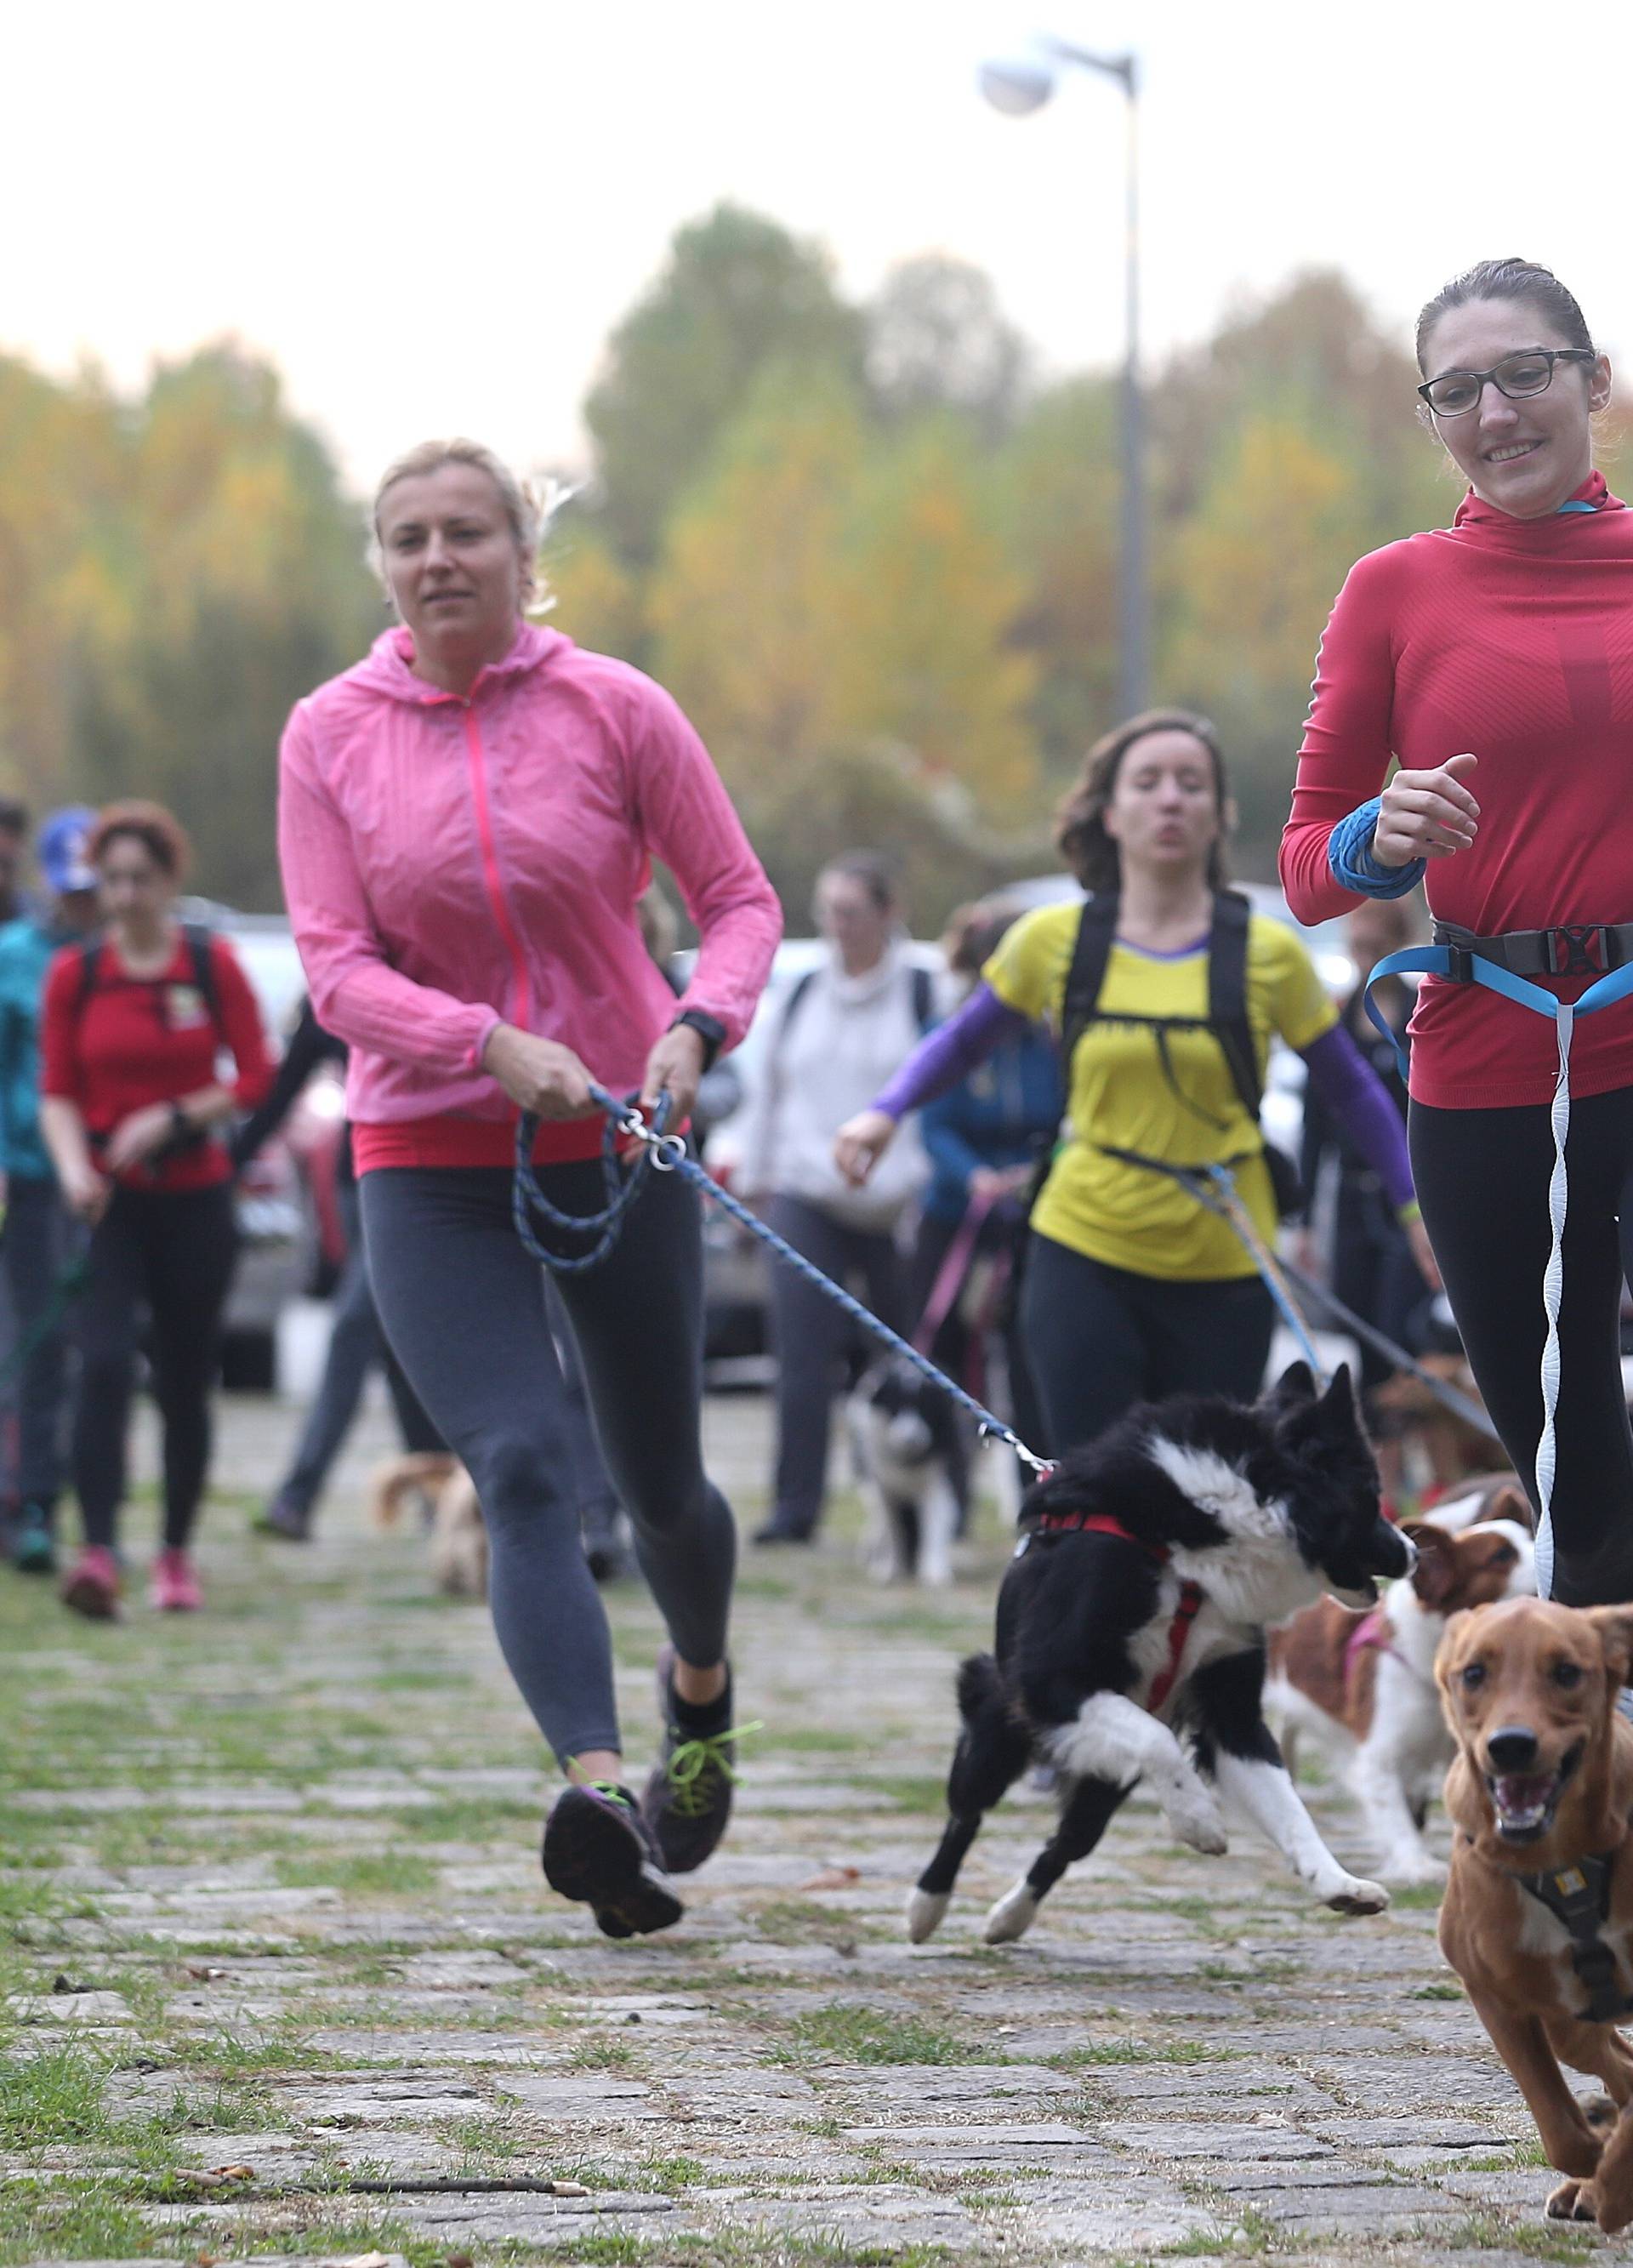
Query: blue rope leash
(666, 1154)
(528, 1202)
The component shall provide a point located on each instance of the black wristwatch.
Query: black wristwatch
(709, 1030)
(182, 1127)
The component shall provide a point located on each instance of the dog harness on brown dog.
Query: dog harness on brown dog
(1578, 1896)
(1105, 1523)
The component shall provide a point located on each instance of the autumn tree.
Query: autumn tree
(737, 293)
(937, 339)
(179, 573)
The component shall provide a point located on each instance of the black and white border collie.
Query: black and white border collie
(905, 1446)
(1134, 1614)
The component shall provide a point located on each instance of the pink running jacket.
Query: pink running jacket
(450, 864)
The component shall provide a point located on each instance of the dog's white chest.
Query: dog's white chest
(1541, 1932)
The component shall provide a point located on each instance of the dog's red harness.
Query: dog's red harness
(1105, 1523)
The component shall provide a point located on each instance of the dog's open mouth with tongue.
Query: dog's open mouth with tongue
(1525, 1802)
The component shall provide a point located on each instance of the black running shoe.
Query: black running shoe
(599, 1849)
(687, 1800)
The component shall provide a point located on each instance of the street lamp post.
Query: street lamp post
(1017, 88)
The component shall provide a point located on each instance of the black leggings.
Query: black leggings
(1100, 1340)
(1483, 1179)
(463, 1305)
(170, 1252)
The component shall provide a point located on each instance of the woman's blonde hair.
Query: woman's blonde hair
(527, 511)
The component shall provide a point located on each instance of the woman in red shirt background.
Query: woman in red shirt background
(134, 1027)
(1493, 661)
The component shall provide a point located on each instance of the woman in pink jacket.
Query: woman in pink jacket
(466, 820)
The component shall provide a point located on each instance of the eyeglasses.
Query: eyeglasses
(1457, 392)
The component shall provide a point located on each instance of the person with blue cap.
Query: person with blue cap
(38, 1235)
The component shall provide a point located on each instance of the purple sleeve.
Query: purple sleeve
(1358, 1099)
(951, 1052)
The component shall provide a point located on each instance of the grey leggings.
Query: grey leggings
(463, 1307)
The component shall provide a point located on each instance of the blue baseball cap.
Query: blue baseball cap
(62, 850)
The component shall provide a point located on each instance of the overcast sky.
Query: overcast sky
(430, 216)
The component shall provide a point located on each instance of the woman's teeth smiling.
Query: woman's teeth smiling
(1514, 449)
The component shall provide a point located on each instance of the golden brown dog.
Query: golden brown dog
(458, 1544)
(1538, 1918)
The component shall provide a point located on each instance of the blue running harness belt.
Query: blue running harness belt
(1461, 964)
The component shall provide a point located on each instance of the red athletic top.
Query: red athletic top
(136, 1040)
(1512, 638)
(450, 1140)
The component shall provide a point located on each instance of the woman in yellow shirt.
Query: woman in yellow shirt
(1133, 1290)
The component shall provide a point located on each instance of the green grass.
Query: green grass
(853, 2033)
(1140, 2051)
(471, 1819)
(921, 1792)
(801, 1921)
(1553, 2240)
(1438, 1992)
(386, 1872)
(602, 2055)
(54, 2098)
(63, 2220)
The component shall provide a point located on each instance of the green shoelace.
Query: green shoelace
(689, 1762)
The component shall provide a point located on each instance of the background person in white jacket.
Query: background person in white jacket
(845, 1029)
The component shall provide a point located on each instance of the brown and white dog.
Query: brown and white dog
(1362, 1685)
(1538, 1916)
(458, 1541)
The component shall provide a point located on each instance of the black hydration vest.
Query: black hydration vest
(1227, 1017)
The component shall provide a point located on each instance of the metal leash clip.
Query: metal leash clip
(666, 1150)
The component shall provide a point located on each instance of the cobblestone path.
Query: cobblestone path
(280, 1974)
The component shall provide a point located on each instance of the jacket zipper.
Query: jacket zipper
(522, 1015)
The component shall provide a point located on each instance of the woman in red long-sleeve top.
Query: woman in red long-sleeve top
(134, 1027)
(1493, 661)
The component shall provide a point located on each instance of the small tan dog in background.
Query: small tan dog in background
(457, 1542)
(1538, 1916)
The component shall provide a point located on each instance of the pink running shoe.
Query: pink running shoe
(175, 1590)
(90, 1586)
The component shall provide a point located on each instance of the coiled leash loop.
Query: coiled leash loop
(1461, 964)
(528, 1202)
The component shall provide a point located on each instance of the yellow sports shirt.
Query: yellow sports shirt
(1118, 1093)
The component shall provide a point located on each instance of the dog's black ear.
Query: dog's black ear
(1339, 1396)
(1296, 1384)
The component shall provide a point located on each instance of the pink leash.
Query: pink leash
(949, 1276)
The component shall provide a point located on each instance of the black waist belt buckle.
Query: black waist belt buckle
(1579, 949)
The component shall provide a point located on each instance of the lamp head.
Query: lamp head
(1017, 85)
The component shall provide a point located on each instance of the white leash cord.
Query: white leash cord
(1552, 1285)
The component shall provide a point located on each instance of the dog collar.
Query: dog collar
(1105, 1523)
(1578, 1896)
